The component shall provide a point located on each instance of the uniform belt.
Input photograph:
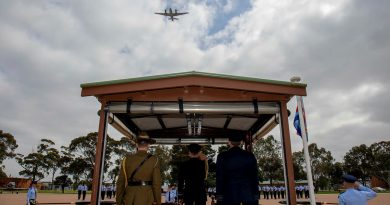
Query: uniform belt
(140, 183)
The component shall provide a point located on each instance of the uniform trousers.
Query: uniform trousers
(84, 193)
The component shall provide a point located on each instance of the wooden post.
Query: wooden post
(99, 157)
(287, 155)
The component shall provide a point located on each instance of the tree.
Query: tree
(33, 164)
(321, 162)
(7, 147)
(83, 149)
(121, 148)
(37, 164)
(298, 165)
(179, 155)
(336, 174)
(51, 157)
(164, 157)
(358, 162)
(381, 160)
(210, 153)
(63, 180)
(223, 148)
(268, 155)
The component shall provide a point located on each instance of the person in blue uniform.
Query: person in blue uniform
(170, 195)
(355, 193)
(192, 176)
(85, 189)
(32, 194)
(237, 175)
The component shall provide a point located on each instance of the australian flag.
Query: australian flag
(297, 123)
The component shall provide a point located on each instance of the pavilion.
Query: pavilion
(194, 107)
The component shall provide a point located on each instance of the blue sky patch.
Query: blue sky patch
(225, 11)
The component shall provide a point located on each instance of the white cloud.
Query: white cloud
(339, 47)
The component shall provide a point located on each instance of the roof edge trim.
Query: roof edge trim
(190, 73)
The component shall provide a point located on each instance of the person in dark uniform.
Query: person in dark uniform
(85, 189)
(103, 191)
(79, 191)
(306, 189)
(192, 176)
(283, 189)
(267, 190)
(264, 193)
(355, 193)
(274, 190)
(139, 181)
(237, 175)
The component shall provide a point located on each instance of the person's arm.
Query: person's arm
(254, 177)
(370, 194)
(220, 179)
(204, 158)
(180, 185)
(157, 182)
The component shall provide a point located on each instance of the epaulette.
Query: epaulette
(340, 194)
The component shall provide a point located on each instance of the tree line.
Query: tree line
(361, 161)
(74, 163)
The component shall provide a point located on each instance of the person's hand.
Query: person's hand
(356, 185)
(202, 157)
(180, 197)
(154, 203)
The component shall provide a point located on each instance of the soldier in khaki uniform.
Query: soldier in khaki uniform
(141, 187)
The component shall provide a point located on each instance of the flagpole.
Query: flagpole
(305, 144)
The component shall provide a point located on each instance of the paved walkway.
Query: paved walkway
(20, 199)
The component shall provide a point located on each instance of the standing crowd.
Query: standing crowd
(82, 189)
(139, 180)
(273, 192)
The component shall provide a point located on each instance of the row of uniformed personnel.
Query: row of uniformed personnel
(273, 192)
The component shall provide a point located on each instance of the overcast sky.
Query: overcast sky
(340, 48)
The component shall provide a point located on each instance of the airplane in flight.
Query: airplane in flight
(172, 14)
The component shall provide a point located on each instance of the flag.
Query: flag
(297, 123)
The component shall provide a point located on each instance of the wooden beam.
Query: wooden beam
(191, 93)
(99, 157)
(287, 154)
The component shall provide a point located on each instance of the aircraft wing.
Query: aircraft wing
(178, 14)
(164, 14)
